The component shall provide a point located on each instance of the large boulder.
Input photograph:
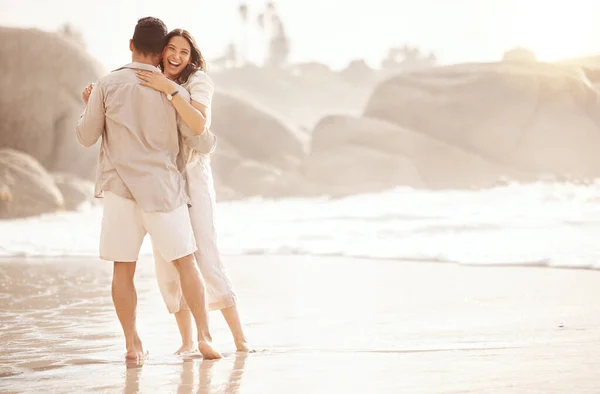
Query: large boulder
(538, 117)
(440, 165)
(349, 169)
(41, 81)
(254, 133)
(224, 159)
(251, 178)
(75, 191)
(26, 188)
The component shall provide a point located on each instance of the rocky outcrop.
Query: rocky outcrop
(438, 163)
(539, 118)
(26, 188)
(75, 191)
(255, 133)
(255, 149)
(350, 169)
(40, 88)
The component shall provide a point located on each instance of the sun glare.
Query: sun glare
(557, 30)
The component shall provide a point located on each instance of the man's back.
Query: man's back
(142, 113)
(140, 142)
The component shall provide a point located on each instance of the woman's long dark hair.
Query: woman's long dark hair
(197, 61)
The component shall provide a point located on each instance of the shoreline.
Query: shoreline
(533, 264)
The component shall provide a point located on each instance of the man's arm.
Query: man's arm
(90, 125)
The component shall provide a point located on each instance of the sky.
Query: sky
(334, 32)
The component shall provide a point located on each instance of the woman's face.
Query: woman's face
(176, 56)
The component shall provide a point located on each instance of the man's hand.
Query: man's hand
(85, 95)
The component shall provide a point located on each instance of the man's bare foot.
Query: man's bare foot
(136, 351)
(187, 347)
(207, 351)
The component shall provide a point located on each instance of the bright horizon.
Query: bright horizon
(321, 30)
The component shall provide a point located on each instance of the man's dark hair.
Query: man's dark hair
(149, 36)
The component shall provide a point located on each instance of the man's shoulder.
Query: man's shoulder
(119, 74)
(114, 77)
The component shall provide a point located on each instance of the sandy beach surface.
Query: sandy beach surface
(320, 324)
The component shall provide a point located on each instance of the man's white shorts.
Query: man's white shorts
(124, 226)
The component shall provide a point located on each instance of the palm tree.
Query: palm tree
(69, 32)
(243, 13)
(278, 45)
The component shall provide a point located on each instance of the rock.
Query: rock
(350, 169)
(26, 188)
(313, 68)
(75, 191)
(540, 118)
(519, 54)
(224, 193)
(259, 179)
(255, 133)
(224, 159)
(252, 178)
(358, 72)
(40, 98)
(439, 164)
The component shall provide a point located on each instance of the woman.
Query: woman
(183, 64)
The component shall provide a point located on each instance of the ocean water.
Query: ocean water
(542, 224)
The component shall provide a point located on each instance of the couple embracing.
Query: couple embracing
(153, 118)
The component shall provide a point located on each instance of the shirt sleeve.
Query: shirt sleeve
(201, 88)
(90, 125)
(204, 143)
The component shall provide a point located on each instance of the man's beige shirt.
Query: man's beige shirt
(141, 136)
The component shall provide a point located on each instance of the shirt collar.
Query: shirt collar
(139, 66)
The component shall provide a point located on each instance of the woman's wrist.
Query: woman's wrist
(169, 88)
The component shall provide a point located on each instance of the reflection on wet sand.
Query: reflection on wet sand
(196, 376)
(132, 378)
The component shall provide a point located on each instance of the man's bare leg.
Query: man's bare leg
(125, 300)
(232, 317)
(192, 286)
(184, 323)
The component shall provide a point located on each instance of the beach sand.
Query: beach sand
(320, 324)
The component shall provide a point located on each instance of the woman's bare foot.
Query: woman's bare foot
(243, 347)
(186, 347)
(207, 351)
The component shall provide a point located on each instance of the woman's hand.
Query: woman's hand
(156, 81)
(85, 95)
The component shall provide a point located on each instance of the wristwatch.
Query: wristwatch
(170, 96)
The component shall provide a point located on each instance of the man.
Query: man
(138, 177)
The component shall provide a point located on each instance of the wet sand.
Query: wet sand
(321, 325)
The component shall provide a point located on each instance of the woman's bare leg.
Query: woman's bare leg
(194, 292)
(186, 329)
(232, 317)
